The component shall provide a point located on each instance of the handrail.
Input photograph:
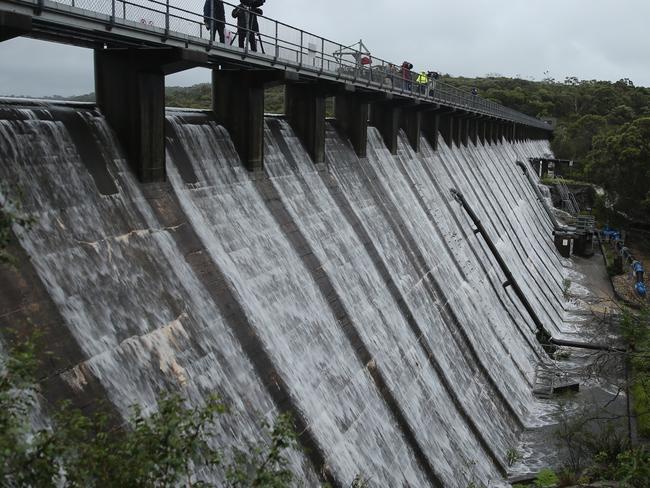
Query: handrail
(292, 46)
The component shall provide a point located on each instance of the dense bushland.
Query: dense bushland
(604, 126)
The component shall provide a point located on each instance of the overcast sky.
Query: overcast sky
(590, 39)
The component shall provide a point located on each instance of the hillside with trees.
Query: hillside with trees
(604, 126)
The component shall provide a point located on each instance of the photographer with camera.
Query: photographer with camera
(247, 25)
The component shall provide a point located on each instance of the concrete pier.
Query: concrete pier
(385, 116)
(14, 25)
(431, 127)
(305, 110)
(130, 91)
(473, 129)
(238, 103)
(462, 128)
(352, 113)
(490, 134)
(446, 125)
(411, 123)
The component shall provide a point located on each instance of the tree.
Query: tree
(620, 162)
(10, 214)
(165, 449)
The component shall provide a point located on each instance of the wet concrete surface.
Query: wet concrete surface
(555, 436)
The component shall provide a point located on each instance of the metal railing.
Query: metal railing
(283, 44)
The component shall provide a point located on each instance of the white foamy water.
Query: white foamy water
(380, 311)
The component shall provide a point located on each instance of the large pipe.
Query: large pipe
(543, 335)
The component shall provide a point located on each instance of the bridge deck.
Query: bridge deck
(159, 24)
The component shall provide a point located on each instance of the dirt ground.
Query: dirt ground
(639, 243)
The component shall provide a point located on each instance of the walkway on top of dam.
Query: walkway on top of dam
(180, 24)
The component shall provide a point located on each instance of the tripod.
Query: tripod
(249, 31)
(259, 39)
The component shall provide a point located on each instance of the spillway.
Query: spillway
(353, 294)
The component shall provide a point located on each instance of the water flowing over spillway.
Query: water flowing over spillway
(355, 295)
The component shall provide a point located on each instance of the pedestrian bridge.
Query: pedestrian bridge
(137, 42)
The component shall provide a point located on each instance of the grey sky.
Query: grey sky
(591, 39)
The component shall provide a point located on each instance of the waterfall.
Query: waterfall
(355, 296)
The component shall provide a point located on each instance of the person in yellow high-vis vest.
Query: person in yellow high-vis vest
(423, 81)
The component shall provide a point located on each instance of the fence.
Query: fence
(288, 45)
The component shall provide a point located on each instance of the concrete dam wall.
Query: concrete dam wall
(355, 294)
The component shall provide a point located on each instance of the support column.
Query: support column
(482, 130)
(352, 118)
(431, 128)
(385, 117)
(489, 131)
(132, 97)
(505, 134)
(305, 110)
(14, 25)
(463, 130)
(472, 130)
(130, 91)
(238, 103)
(411, 123)
(447, 127)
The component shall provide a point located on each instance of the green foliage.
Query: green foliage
(164, 449)
(10, 214)
(546, 478)
(265, 465)
(274, 100)
(513, 456)
(636, 330)
(197, 96)
(607, 451)
(599, 123)
(627, 172)
(581, 434)
(631, 468)
(200, 97)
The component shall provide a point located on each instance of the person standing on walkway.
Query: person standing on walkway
(433, 76)
(214, 17)
(406, 75)
(423, 82)
(247, 25)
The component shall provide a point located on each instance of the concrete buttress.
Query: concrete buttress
(352, 118)
(130, 91)
(305, 110)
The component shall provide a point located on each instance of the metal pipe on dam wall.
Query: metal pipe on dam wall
(352, 294)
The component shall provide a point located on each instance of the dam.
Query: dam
(331, 273)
